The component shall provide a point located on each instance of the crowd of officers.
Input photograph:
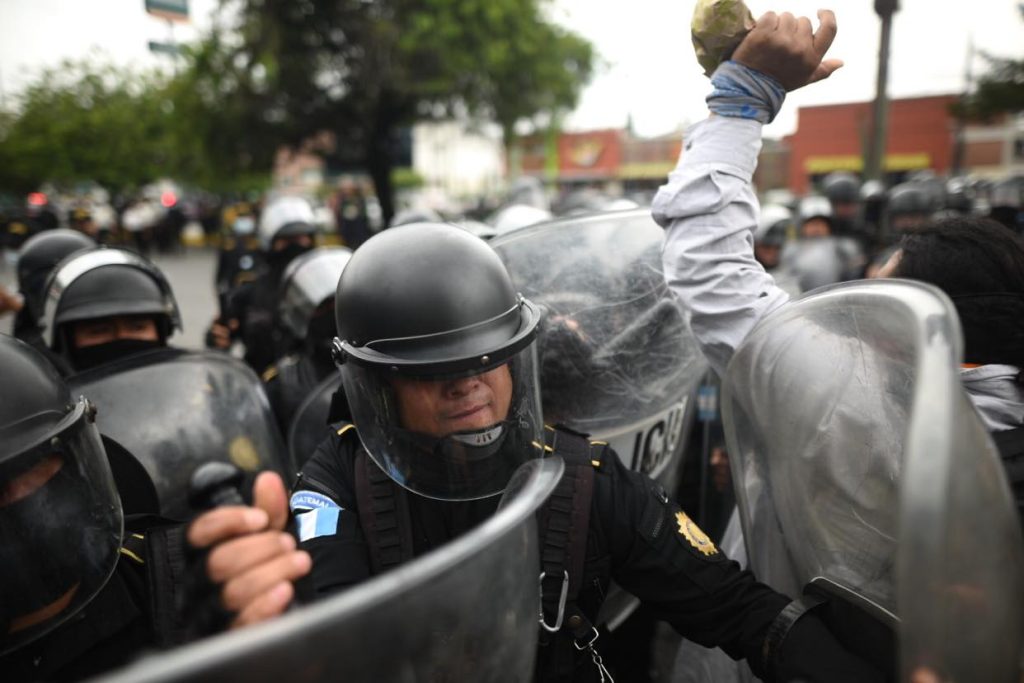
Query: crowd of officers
(435, 350)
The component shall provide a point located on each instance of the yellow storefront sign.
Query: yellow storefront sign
(650, 169)
(851, 162)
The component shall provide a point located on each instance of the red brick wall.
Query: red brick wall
(917, 126)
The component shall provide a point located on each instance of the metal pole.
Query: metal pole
(873, 169)
(960, 142)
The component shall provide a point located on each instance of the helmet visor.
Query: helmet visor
(449, 437)
(60, 530)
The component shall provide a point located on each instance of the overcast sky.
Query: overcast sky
(649, 69)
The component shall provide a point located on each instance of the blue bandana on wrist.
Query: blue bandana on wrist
(745, 93)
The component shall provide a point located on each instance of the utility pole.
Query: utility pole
(873, 165)
(961, 119)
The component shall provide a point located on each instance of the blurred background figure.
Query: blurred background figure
(351, 217)
(239, 257)
(36, 260)
(287, 228)
(306, 308)
(818, 256)
(843, 191)
(775, 228)
(1007, 203)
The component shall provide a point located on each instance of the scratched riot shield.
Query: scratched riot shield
(309, 424)
(618, 360)
(960, 566)
(824, 404)
(175, 410)
(467, 611)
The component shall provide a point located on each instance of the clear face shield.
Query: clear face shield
(450, 437)
(60, 529)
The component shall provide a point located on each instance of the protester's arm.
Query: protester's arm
(708, 207)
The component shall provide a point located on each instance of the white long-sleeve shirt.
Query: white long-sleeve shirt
(709, 211)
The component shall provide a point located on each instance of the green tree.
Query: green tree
(362, 70)
(90, 121)
(999, 90)
(82, 121)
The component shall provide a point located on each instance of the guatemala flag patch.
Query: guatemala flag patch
(316, 515)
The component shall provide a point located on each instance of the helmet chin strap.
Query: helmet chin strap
(479, 437)
(476, 443)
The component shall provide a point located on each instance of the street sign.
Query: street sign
(171, 10)
(172, 49)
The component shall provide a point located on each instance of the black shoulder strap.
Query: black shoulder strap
(564, 529)
(383, 514)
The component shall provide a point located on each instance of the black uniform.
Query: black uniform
(254, 305)
(290, 380)
(238, 261)
(636, 537)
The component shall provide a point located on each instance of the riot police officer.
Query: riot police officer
(910, 206)
(287, 228)
(820, 257)
(76, 589)
(843, 192)
(438, 363)
(103, 304)
(306, 308)
(37, 258)
(239, 258)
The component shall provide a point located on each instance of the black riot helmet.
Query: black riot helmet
(910, 198)
(38, 255)
(60, 515)
(841, 187)
(102, 283)
(431, 307)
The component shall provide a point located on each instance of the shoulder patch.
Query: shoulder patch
(316, 523)
(689, 530)
(303, 501)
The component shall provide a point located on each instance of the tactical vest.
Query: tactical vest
(567, 631)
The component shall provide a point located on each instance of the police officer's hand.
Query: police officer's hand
(251, 556)
(785, 48)
(219, 336)
(9, 302)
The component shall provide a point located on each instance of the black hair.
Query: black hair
(979, 264)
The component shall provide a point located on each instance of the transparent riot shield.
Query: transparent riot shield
(175, 410)
(309, 424)
(822, 261)
(618, 360)
(827, 406)
(960, 564)
(467, 611)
